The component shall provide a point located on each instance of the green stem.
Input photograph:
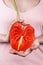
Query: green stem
(16, 10)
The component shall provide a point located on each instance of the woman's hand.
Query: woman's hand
(4, 37)
(28, 51)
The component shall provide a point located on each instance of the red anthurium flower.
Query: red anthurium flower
(21, 36)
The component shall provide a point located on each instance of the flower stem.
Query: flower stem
(15, 5)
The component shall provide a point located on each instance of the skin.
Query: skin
(4, 38)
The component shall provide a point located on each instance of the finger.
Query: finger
(35, 44)
(24, 53)
(12, 51)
